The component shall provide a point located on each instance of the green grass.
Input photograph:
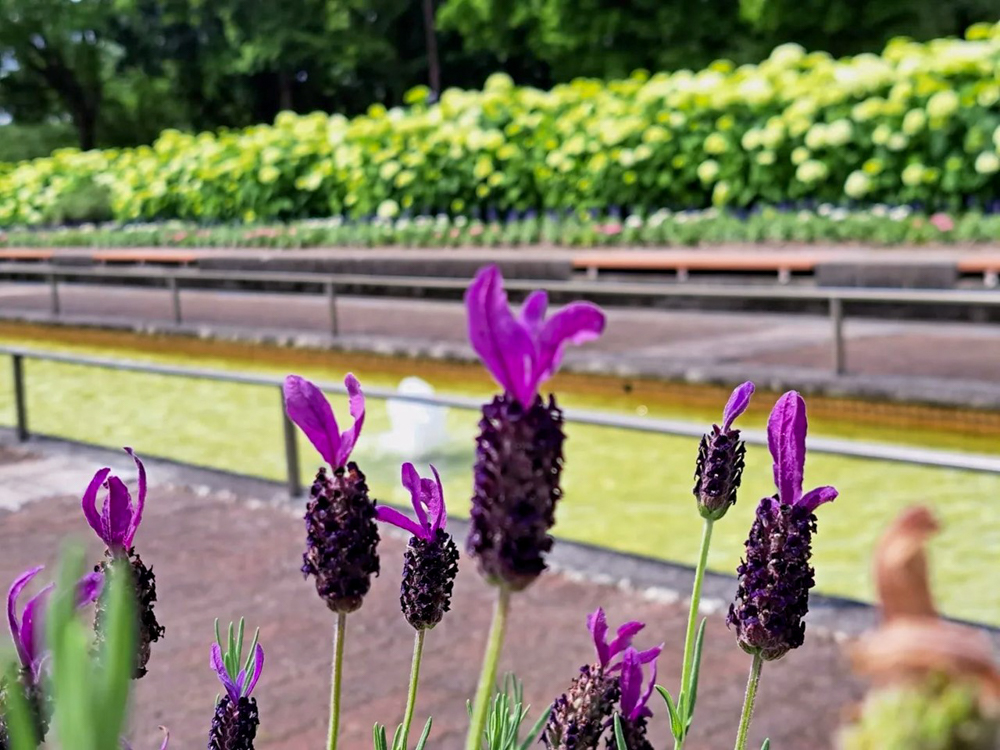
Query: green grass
(624, 490)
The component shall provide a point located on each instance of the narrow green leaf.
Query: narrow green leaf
(536, 730)
(378, 737)
(692, 689)
(247, 667)
(238, 654)
(117, 654)
(619, 735)
(671, 710)
(397, 738)
(766, 745)
(425, 734)
(678, 717)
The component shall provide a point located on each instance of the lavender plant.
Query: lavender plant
(519, 449)
(236, 719)
(116, 525)
(341, 534)
(430, 565)
(775, 576)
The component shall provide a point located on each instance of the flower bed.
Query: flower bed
(919, 122)
(878, 225)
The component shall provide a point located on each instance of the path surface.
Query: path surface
(219, 554)
(666, 343)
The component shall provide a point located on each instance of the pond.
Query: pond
(625, 490)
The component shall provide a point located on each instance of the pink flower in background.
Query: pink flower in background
(943, 222)
(610, 230)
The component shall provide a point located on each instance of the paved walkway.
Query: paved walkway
(934, 362)
(230, 550)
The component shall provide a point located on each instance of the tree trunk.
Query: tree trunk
(85, 121)
(284, 92)
(433, 63)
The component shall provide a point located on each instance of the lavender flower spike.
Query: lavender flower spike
(521, 352)
(519, 449)
(308, 408)
(341, 533)
(234, 726)
(772, 597)
(430, 563)
(119, 519)
(116, 524)
(579, 716)
(634, 699)
(721, 458)
(26, 629)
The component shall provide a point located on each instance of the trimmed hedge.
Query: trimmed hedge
(918, 124)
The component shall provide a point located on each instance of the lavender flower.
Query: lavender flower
(430, 563)
(25, 633)
(234, 725)
(342, 536)
(633, 708)
(580, 715)
(116, 525)
(720, 459)
(519, 449)
(775, 577)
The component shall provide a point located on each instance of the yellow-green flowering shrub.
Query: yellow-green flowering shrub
(918, 123)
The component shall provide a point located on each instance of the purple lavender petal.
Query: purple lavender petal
(90, 511)
(258, 667)
(166, 740)
(576, 323)
(815, 498)
(641, 709)
(533, 311)
(117, 514)
(356, 407)
(597, 624)
(624, 638)
(786, 439)
(89, 588)
(392, 516)
(308, 408)
(30, 626)
(650, 654)
(12, 620)
(439, 512)
(140, 502)
(631, 681)
(502, 342)
(412, 482)
(220, 669)
(737, 404)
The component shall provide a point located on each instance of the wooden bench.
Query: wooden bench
(987, 265)
(144, 257)
(26, 254)
(683, 263)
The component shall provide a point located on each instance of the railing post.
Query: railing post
(175, 298)
(837, 319)
(54, 293)
(291, 452)
(331, 296)
(20, 402)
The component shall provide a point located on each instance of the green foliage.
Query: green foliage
(84, 202)
(920, 123)
(936, 715)
(380, 742)
(507, 713)
(21, 142)
(90, 691)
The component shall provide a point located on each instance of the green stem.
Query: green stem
(692, 626)
(411, 696)
(748, 702)
(338, 659)
(488, 677)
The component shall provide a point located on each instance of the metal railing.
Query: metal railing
(835, 299)
(848, 448)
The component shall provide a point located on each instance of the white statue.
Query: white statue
(415, 429)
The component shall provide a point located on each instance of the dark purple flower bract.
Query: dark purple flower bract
(720, 459)
(775, 576)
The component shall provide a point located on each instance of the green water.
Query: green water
(624, 490)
